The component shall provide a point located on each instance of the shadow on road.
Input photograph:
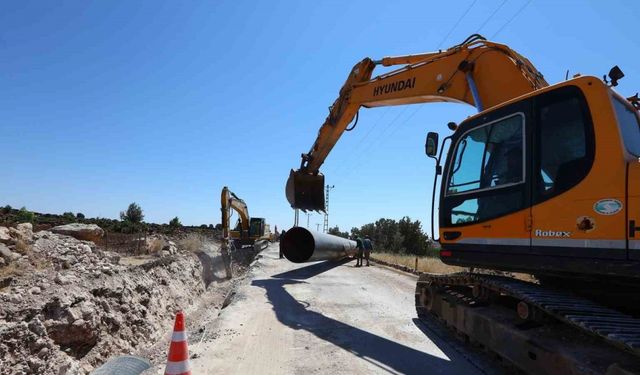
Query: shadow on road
(388, 355)
(310, 271)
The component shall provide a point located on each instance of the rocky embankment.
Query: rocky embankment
(66, 306)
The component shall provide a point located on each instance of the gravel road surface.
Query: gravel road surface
(326, 318)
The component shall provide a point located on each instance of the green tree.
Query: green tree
(175, 223)
(25, 216)
(6, 209)
(80, 216)
(336, 232)
(133, 214)
(404, 236)
(69, 217)
(415, 241)
(368, 230)
(386, 235)
(131, 219)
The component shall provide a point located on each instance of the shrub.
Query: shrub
(6, 209)
(25, 216)
(175, 223)
(69, 216)
(23, 247)
(11, 269)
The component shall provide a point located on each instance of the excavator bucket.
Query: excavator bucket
(305, 191)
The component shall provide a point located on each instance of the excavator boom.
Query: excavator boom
(476, 72)
(228, 201)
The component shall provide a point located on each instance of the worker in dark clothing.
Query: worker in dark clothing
(360, 252)
(368, 246)
(280, 240)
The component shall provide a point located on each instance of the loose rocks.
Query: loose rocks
(86, 232)
(70, 305)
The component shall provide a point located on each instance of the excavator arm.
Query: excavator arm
(229, 201)
(477, 72)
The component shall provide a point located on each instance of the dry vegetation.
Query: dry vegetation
(425, 264)
(156, 245)
(192, 242)
(10, 269)
(435, 265)
(22, 247)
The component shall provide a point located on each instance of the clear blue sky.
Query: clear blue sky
(162, 103)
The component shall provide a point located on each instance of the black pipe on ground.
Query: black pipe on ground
(301, 245)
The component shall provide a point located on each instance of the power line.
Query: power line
(371, 129)
(360, 154)
(343, 166)
(457, 23)
(511, 19)
(491, 16)
(405, 121)
(379, 139)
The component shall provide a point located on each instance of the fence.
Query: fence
(136, 242)
(124, 242)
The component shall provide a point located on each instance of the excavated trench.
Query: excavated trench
(85, 305)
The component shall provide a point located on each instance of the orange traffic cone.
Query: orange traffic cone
(178, 360)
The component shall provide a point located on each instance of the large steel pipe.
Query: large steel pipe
(301, 245)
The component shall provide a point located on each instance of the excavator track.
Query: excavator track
(505, 314)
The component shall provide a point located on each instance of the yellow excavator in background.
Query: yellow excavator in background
(544, 180)
(248, 230)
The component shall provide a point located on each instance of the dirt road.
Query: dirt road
(325, 317)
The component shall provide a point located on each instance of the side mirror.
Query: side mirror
(431, 144)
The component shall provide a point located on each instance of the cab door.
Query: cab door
(578, 209)
(628, 121)
(633, 206)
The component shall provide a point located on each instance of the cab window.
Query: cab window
(564, 146)
(486, 173)
(629, 126)
(489, 156)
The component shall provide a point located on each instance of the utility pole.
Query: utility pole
(325, 226)
(317, 227)
(296, 217)
(308, 214)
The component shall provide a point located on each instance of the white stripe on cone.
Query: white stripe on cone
(179, 336)
(175, 368)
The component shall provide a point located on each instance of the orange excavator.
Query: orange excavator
(543, 180)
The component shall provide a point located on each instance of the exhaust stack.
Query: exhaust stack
(301, 245)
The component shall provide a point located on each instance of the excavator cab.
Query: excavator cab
(545, 184)
(256, 227)
(256, 231)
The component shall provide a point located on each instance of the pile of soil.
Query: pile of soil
(67, 306)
